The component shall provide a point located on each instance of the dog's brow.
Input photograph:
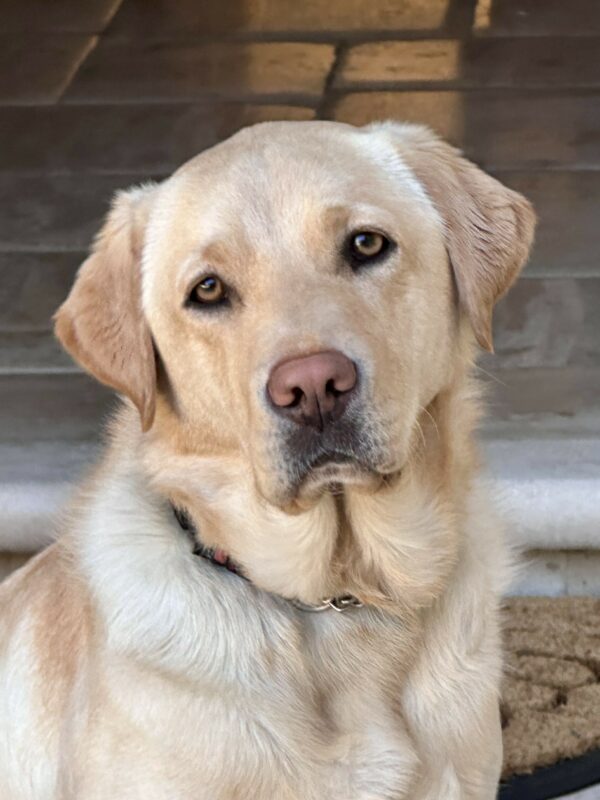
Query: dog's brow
(214, 253)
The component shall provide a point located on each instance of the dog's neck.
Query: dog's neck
(221, 559)
(394, 547)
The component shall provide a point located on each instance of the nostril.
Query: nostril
(330, 388)
(297, 396)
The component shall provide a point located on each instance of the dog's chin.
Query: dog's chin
(332, 475)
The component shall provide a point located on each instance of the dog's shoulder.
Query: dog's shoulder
(48, 588)
(45, 624)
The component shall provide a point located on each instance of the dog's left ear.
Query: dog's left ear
(101, 324)
(489, 228)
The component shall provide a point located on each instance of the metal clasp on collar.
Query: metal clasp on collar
(341, 603)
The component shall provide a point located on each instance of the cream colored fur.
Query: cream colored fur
(131, 668)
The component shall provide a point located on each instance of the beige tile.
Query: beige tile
(171, 71)
(514, 63)
(37, 69)
(139, 19)
(399, 62)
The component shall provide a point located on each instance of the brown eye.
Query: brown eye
(209, 291)
(367, 245)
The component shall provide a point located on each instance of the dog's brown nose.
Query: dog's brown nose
(313, 390)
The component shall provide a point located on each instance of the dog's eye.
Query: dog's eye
(209, 291)
(364, 246)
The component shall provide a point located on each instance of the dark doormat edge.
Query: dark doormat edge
(557, 780)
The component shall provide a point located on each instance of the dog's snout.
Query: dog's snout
(313, 390)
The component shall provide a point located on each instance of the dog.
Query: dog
(282, 581)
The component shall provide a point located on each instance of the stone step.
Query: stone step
(555, 573)
(549, 129)
(542, 450)
(49, 434)
(145, 140)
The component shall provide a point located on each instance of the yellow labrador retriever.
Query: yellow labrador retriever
(282, 581)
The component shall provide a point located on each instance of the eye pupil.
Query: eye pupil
(209, 291)
(208, 284)
(366, 241)
(365, 245)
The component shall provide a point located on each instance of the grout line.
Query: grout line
(115, 9)
(7, 372)
(279, 98)
(351, 36)
(207, 99)
(91, 45)
(339, 55)
(541, 90)
(19, 249)
(45, 329)
(331, 37)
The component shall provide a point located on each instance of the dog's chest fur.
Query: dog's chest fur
(313, 718)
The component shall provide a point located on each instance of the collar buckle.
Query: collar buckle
(342, 603)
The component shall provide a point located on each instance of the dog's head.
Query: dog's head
(296, 296)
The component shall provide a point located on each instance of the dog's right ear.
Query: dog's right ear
(101, 324)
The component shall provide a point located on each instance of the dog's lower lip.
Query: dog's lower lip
(330, 458)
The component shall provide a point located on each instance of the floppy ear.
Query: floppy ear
(489, 228)
(101, 323)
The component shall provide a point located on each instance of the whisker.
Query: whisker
(489, 374)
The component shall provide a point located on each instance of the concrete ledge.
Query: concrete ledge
(556, 573)
(548, 491)
(36, 483)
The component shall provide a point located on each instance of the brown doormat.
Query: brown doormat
(551, 696)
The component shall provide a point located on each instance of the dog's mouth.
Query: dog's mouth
(331, 470)
(347, 453)
(331, 458)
